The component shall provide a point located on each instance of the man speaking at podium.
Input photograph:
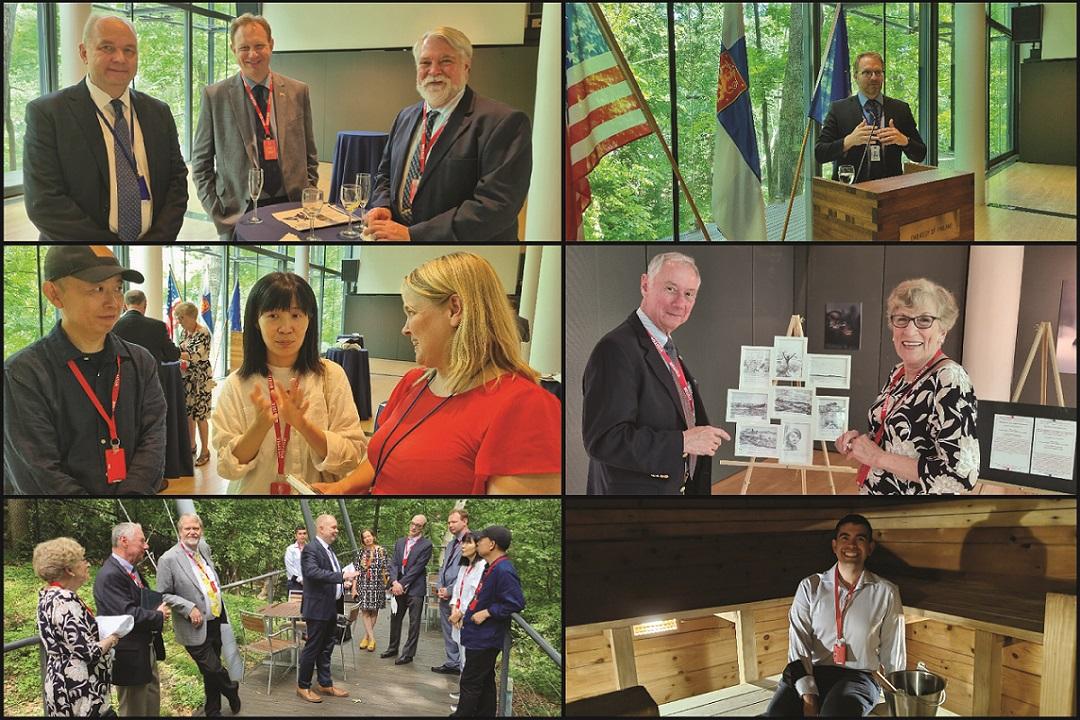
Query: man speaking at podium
(868, 130)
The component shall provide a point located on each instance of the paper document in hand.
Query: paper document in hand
(118, 624)
(300, 486)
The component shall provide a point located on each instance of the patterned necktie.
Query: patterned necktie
(872, 110)
(414, 167)
(128, 202)
(209, 587)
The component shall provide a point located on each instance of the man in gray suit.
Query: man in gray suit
(190, 585)
(256, 118)
(458, 524)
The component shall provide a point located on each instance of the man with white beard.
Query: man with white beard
(191, 587)
(457, 165)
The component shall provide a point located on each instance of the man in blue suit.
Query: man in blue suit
(408, 583)
(323, 580)
(457, 166)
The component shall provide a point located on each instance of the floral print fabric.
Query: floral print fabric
(77, 673)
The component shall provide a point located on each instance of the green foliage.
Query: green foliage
(23, 301)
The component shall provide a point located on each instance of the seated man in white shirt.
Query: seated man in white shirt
(294, 574)
(832, 655)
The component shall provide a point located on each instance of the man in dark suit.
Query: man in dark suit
(323, 580)
(458, 524)
(408, 583)
(868, 130)
(118, 590)
(148, 332)
(644, 423)
(102, 162)
(457, 166)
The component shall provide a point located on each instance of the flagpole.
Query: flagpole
(605, 30)
(806, 135)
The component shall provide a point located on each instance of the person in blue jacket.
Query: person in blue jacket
(486, 623)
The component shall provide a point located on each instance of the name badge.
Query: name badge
(839, 653)
(115, 465)
(875, 153)
(144, 191)
(270, 149)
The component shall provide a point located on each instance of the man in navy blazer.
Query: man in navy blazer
(869, 131)
(408, 584)
(457, 166)
(118, 590)
(634, 414)
(323, 580)
(78, 178)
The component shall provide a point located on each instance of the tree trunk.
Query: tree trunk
(18, 524)
(10, 11)
(792, 112)
(770, 167)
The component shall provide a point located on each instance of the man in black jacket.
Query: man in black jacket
(408, 583)
(149, 332)
(869, 131)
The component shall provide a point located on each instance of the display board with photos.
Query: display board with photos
(1031, 446)
(777, 410)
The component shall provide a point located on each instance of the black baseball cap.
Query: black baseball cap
(91, 263)
(497, 534)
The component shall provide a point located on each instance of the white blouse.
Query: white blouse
(464, 590)
(330, 407)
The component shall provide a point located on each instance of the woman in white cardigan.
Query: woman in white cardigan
(465, 588)
(286, 411)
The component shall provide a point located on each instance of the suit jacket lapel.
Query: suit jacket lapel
(85, 112)
(456, 126)
(282, 104)
(656, 363)
(403, 142)
(239, 101)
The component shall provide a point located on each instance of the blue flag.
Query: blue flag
(234, 308)
(834, 81)
(172, 299)
(207, 305)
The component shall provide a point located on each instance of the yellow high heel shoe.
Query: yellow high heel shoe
(363, 644)
(371, 645)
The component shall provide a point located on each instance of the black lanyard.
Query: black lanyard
(384, 456)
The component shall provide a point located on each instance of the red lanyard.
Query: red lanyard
(461, 585)
(135, 579)
(85, 606)
(408, 549)
(425, 142)
(676, 370)
(213, 585)
(264, 120)
(109, 420)
(280, 444)
(841, 610)
(480, 585)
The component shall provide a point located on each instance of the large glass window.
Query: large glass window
(22, 77)
(1002, 66)
(27, 315)
(945, 95)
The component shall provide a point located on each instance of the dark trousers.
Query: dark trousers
(293, 585)
(478, 695)
(414, 606)
(216, 680)
(318, 651)
(841, 693)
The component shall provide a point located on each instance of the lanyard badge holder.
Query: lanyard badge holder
(144, 189)
(270, 148)
(839, 653)
(115, 461)
(280, 443)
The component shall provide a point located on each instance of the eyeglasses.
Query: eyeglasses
(419, 525)
(872, 73)
(923, 322)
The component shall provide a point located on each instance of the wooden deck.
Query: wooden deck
(383, 688)
(747, 699)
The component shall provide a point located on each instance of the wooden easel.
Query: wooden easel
(794, 329)
(1044, 342)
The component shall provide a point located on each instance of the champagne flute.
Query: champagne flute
(847, 174)
(363, 180)
(312, 201)
(255, 183)
(350, 200)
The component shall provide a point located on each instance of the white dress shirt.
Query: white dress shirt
(104, 103)
(292, 563)
(333, 563)
(650, 327)
(198, 575)
(873, 625)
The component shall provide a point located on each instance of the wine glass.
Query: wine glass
(311, 199)
(847, 174)
(363, 180)
(350, 200)
(255, 183)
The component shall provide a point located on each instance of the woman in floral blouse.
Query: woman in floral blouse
(370, 588)
(77, 666)
(922, 437)
(198, 376)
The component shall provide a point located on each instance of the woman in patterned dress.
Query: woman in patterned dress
(922, 437)
(370, 587)
(77, 661)
(199, 377)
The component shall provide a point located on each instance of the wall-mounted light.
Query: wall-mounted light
(656, 627)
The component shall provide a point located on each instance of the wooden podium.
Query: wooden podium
(925, 203)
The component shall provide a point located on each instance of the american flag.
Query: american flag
(602, 113)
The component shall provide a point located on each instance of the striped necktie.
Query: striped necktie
(128, 202)
(414, 167)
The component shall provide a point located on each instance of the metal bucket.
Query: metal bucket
(922, 693)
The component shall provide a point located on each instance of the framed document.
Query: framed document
(1028, 445)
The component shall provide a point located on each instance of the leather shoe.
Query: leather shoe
(333, 691)
(445, 670)
(306, 694)
(403, 661)
(388, 653)
(233, 695)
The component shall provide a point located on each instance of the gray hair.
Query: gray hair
(187, 516)
(135, 297)
(676, 257)
(921, 292)
(122, 530)
(454, 37)
(92, 22)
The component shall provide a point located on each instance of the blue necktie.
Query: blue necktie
(128, 202)
(414, 167)
(873, 113)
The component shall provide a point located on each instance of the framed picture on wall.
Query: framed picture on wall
(829, 371)
(791, 403)
(747, 406)
(789, 358)
(843, 326)
(796, 443)
(755, 363)
(757, 441)
(830, 417)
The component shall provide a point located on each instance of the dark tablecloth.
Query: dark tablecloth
(178, 460)
(358, 370)
(357, 151)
